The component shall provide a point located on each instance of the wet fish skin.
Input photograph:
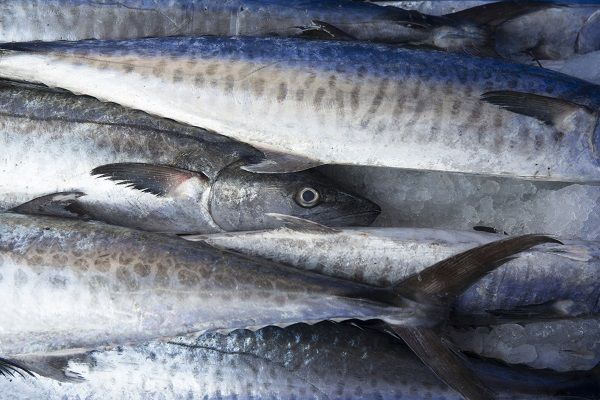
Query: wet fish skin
(72, 284)
(337, 107)
(382, 256)
(129, 19)
(52, 141)
(322, 361)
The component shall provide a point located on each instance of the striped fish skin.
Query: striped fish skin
(69, 284)
(322, 361)
(52, 141)
(382, 256)
(336, 102)
(78, 19)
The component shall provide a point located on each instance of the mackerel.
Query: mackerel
(340, 102)
(69, 285)
(76, 155)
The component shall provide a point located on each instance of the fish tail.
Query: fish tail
(433, 290)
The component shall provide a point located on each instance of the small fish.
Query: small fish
(383, 256)
(321, 19)
(76, 156)
(321, 361)
(322, 102)
(69, 284)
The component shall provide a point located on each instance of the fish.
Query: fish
(70, 285)
(383, 256)
(76, 156)
(328, 102)
(578, 66)
(322, 19)
(321, 361)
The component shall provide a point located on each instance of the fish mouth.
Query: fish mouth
(362, 218)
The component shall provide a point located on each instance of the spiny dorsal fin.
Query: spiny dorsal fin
(301, 224)
(159, 180)
(62, 204)
(9, 368)
(494, 14)
(447, 279)
(550, 110)
(446, 363)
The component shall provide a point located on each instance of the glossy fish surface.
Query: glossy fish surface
(129, 168)
(323, 361)
(342, 103)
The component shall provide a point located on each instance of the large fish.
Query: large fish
(337, 19)
(322, 361)
(57, 146)
(69, 284)
(383, 256)
(341, 102)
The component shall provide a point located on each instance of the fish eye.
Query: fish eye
(308, 197)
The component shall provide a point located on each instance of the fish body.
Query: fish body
(52, 142)
(322, 361)
(340, 102)
(71, 284)
(382, 256)
(130, 19)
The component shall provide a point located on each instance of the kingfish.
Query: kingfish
(322, 361)
(328, 19)
(81, 157)
(340, 102)
(69, 284)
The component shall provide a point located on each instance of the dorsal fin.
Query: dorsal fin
(302, 225)
(159, 180)
(550, 110)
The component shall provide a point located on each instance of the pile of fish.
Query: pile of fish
(187, 190)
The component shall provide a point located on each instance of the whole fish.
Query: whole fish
(340, 102)
(57, 147)
(383, 256)
(322, 361)
(330, 19)
(69, 285)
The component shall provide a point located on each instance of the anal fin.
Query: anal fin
(445, 363)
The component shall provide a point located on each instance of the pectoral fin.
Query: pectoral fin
(323, 30)
(301, 224)
(281, 163)
(159, 180)
(62, 204)
(550, 110)
(445, 363)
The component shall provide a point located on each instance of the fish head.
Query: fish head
(240, 200)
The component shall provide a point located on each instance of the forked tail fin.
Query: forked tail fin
(440, 285)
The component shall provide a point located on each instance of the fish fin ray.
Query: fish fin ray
(281, 163)
(10, 368)
(301, 224)
(446, 363)
(549, 110)
(54, 365)
(323, 30)
(61, 204)
(447, 279)
(159, 180)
